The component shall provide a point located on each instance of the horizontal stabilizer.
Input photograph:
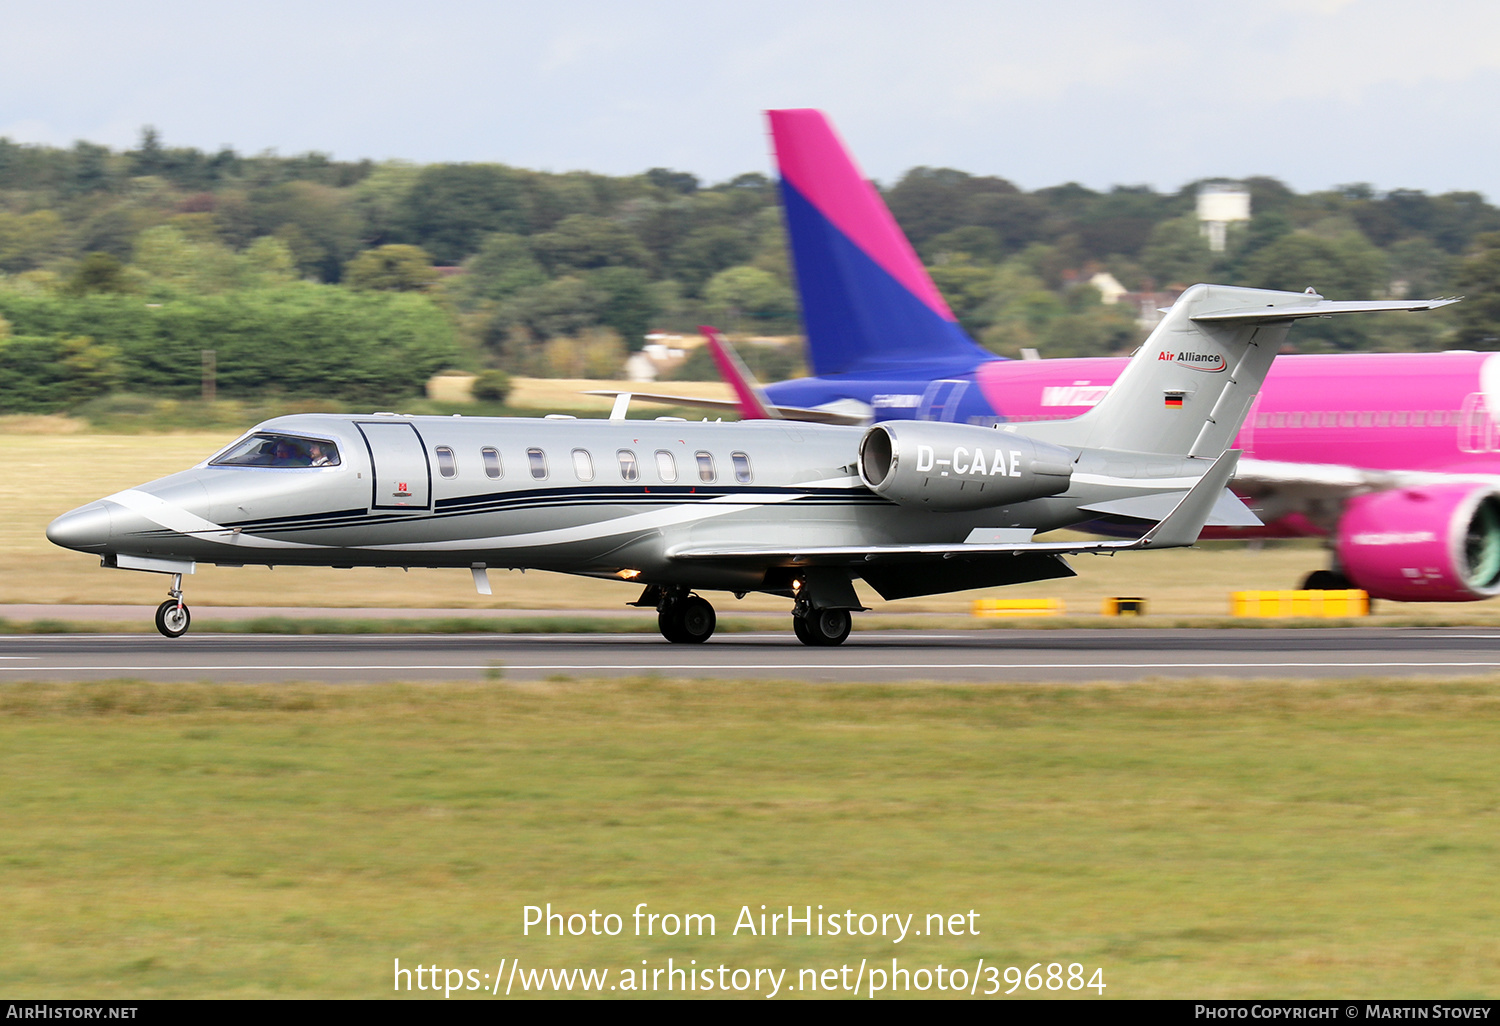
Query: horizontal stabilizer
(1317, 306)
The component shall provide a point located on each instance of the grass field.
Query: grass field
(1195, 838)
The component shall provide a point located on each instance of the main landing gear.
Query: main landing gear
(172, 616)
(688, 619)
(685, 619)
(821, 626)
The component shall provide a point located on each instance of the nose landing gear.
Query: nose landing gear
(172, 616)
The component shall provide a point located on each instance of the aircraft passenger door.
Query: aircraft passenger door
(403, 479)
(940, 401)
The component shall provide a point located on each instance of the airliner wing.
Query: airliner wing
(857, 418)
(1333, 479)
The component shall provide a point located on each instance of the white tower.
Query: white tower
(1219, 203)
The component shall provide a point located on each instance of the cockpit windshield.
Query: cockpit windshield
(266, 450)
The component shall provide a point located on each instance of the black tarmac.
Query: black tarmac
(998, 656)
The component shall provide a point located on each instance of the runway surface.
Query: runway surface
(887, 655)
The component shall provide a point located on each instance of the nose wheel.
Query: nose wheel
(172, 616)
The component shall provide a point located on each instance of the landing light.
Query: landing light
(628, 575)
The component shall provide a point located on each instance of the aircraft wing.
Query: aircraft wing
(857, 418)
(1178, 528)
(1336, 480)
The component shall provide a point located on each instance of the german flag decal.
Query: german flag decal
(1174, 400)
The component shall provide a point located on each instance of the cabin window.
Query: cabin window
(705, 468)
(630, 470)
(741, 467)
(666, 466)
(583, 465)
(268, 450)
(538, 461)
(1398, 419)
(1294, 420)
(491, 461)
(447, 465)
(1366, 419)
(1383, 418)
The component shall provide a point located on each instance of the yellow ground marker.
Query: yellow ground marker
(1124, 605)
(1019, 607)
(1300, 603)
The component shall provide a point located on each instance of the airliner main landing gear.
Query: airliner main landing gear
(1325, 580)
(172, 616)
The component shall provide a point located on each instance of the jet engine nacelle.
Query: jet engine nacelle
(1435, 544)
(957, 466)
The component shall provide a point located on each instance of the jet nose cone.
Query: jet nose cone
(85, 528)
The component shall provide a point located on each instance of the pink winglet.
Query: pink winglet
(753, 405)
(816, 163)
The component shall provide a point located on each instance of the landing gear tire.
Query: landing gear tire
(823, 627)
(173, 618)
(689, 621)
(1325, 580)
(799, 628)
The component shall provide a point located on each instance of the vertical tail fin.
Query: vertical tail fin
(1189, 386)
(868, 305)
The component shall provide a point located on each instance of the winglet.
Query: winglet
(753, 402)
(1183, 525)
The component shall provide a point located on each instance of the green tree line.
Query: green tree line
(314, 276)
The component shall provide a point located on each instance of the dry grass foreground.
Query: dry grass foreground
(49, 474)
(1193, 838)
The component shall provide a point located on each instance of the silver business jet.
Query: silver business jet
(791, 509)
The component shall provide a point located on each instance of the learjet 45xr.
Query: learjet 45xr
(791, 509)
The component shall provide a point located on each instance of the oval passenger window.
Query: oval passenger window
(629, 469)
(666, 466)
(447, 465)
